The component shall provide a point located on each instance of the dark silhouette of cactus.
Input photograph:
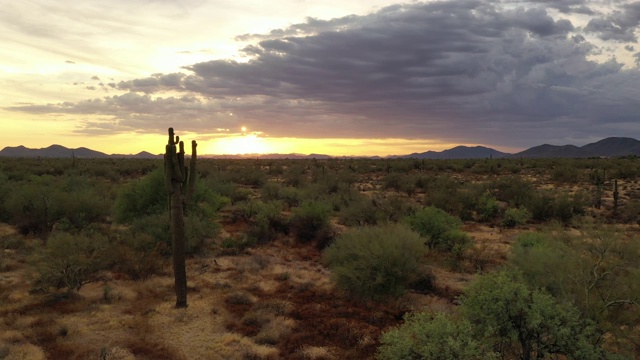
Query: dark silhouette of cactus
(616, 195)
(180, 185)
(598, 180)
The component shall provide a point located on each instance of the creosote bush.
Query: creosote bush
(69, 260)
(375, 262)
(310, 221)
(441, 230)
(144, 205)
(514, 217)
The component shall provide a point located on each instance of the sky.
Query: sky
(358, 77)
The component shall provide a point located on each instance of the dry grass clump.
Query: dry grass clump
(316, 353)
(233, 346)
(240, 298)
(116, 353)
(275, 330)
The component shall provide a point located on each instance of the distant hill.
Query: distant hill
(53, 151)
(553, 151)
(609, 147)
(58, 151)
(459, 152)
(140, 155)
(266, 156)
(613, 146)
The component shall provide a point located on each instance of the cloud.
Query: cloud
(620, 25)
(564, 6)
(458, 71)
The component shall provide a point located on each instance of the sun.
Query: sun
(240, 145)
(244, 129)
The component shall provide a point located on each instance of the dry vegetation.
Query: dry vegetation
(253, 298)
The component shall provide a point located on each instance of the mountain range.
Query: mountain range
(609, 147)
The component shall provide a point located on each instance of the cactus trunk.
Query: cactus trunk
(178, 180)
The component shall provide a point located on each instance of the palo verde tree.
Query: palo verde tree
(180, 185)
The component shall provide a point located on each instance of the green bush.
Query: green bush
(361, 212)
(267, 222)
(311, 221)
(70, 261)
(37, 204)
(434, 337)
(139, 256)
(375, 262)
(441, 230)
(514, 217)
(597, 271)
(455, 242)
(514, 190)
(488, 208)
(530, 323)
(200, 230)
(275, 191)
(147, 196)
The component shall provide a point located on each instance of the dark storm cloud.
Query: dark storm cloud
(463, 71)
(565, 6)
(620, 25)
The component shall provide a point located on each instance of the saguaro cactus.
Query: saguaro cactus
(178, 182)
(616, 196)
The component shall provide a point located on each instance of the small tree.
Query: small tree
(527, 324)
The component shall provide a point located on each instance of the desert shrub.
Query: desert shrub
(565, 173)
(541, 206)
(435, 337)
(392, 181)
(137, 255)
(218, 186)
(515, 216)
(455, 242)
(629, 212)
(311, 221)
(523, 323)
(441, 230)
(267, 222)
(234, 245)
(245, 210)
(597, 271)
(291, 197)
(146, 196)
(375, 262)
(294, 176)
(514, 190)
(394, 208)
(240, 194)
(454, 197)
(488, 208)
(36, 204)
(245, 175)
(361, 212)
(69, 261)
(200, 230)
